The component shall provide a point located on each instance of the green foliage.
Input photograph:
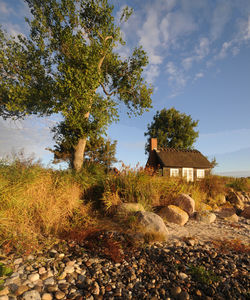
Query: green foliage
(69, 65)
(172, 129)
(240, 184)
(4, 270)
(200, 274)
(98, 149)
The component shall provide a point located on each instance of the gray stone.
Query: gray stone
(152, 223)
(205, 217)
(49, 281)
(31, 295)
(185, 202)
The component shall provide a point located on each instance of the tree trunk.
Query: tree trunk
(79, 154)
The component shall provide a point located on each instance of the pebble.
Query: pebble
(161, 271)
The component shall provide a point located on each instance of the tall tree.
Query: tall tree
(69, 65)
(172, 129)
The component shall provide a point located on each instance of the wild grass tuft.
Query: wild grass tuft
(36, 202)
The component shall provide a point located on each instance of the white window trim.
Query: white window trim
(189, 173)
(200, 173)
(174, 172)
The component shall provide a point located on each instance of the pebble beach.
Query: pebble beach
(186, 266)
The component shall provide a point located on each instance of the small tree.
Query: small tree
(98, 149)
(69, 65)
(172, 129)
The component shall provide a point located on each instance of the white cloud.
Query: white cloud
(202, 49)
(152, 73)
(221, 16)
(33, 135)
(198, 75)
(246, 30)
(149, 37)
(176, 25)
(176, 77)
(5, 9)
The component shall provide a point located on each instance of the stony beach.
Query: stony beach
(190, 265)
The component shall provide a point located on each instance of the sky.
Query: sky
(199, 63)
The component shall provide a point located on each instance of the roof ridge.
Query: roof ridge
(168, 149)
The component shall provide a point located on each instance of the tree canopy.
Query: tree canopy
(172, 129)
(69, 64)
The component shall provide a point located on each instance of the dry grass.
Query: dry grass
(35, 203)
(236, 245)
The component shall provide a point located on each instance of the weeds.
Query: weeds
(236, 245)
(200, 274)
(4, 270)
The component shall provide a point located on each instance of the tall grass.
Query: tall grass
(37, 202)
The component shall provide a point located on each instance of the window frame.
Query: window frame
(189, 171)
(199, 172)
(174, 172)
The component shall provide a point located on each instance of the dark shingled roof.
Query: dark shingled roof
(170, 157)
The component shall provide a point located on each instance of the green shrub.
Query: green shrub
(200, 274)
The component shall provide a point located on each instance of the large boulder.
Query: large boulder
(246, 212)
(185, 202)
(228, 213)
(151, 223)
(205, 217)
(174, 214)
(236, 199)
(126, 208)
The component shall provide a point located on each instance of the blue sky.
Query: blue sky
(199, 54)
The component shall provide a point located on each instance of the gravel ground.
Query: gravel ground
(187, 266)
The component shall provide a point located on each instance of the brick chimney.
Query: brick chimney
(153, 144)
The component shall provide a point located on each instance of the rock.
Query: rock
(33, 277)
(49, 281)
(175, 291)
(183, 296)
(174, 214)
(186, 203)
(69, 269)
(41, 270)
(225, 212)
(18, 261)
(59, 295)
(4, 291)
(125, 208)
(4, 297)
(21, 289)
(183, 276)
(246, 212)
(232, 218)
(236, 199)
(205, 217)
(228, 213)
(31, 295)
(47, 296)
(152, 223)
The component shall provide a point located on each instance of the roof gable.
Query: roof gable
(170, 157)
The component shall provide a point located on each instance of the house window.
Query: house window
(188, 173)
(200, 173)
(174, 172)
